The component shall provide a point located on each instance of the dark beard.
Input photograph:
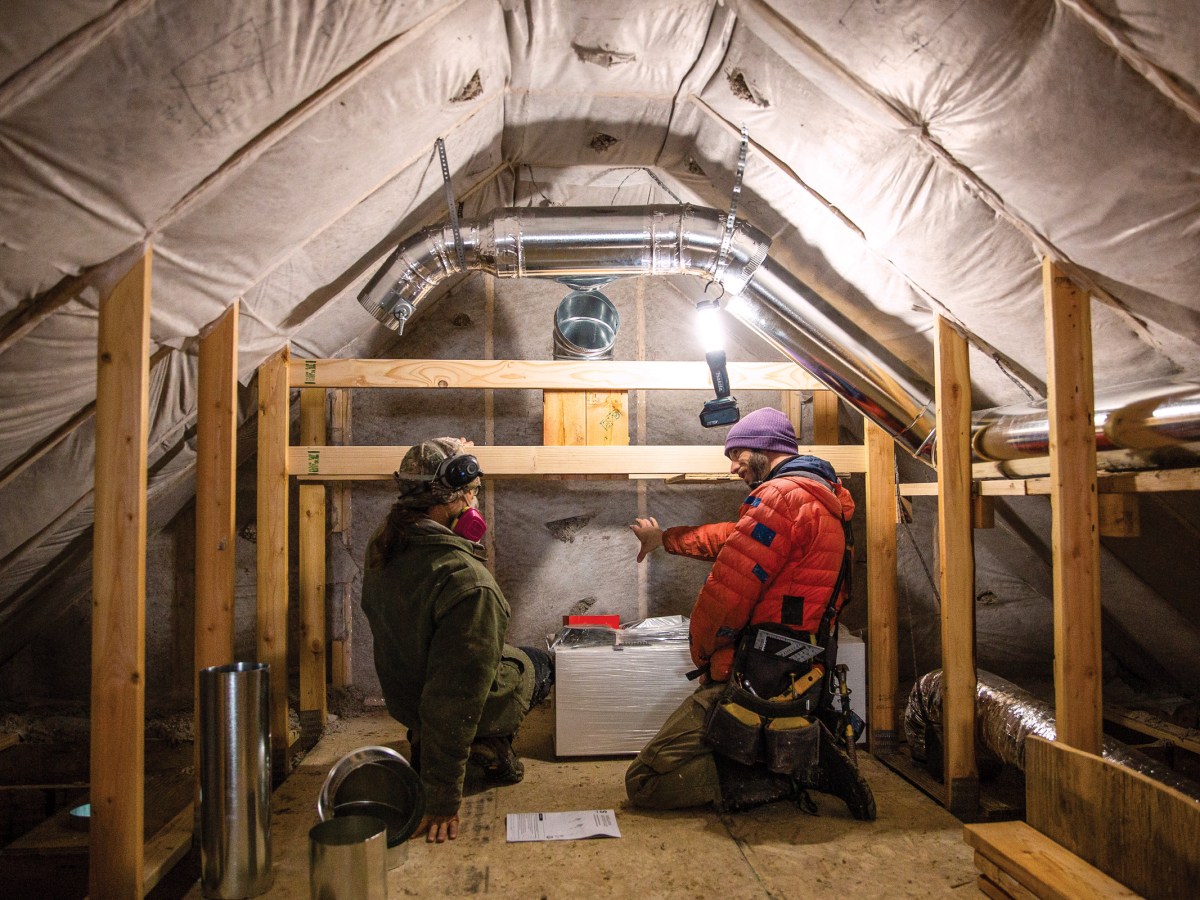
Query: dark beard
(759, 467)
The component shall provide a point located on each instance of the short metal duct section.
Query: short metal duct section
(348, 859)
(376, 782)
(1004, 716)
(235, 781)
(585, 326)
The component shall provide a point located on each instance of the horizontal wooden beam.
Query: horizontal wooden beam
(567, 375)
(1160, 480)
(334, 463)
(1107, 461)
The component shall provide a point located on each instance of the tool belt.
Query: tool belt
(766, 714)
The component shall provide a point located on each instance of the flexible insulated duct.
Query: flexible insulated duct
(611, 242)
(1004, 716)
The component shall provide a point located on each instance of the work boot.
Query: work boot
(747, 787)
(494, 756)
(838, 775)
(543, 673)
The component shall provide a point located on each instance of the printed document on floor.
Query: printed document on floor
(563, 826)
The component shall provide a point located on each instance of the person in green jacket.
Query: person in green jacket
(438, 620)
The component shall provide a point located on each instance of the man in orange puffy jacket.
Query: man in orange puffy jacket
(777, 568)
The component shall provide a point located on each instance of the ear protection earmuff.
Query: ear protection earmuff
(456, 472)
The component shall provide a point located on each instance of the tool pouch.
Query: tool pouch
(792, 745)
(733, 730)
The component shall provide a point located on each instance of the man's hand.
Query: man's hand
(438, 829)
(649, 534)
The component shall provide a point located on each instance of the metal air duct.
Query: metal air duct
(596, 244)
(667, 240)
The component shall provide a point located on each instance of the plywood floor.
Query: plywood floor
(914, 849)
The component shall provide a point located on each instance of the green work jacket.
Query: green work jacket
(438, 620)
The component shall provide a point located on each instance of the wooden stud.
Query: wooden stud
(337, 663)
(312, 575)
(563, 375)
(983, 511)
(956, 567)
(339, 433)
(883, 667)
(273, 416)
(1119, 515)
(825, 417)
(564, 418)
(607, 418)
(791, 404)
(1074, 532)
(117, 789)
(216, 466)
(328, 463)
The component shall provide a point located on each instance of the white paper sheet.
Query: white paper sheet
(564, 826)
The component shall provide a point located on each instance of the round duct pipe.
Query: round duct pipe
(585, 326)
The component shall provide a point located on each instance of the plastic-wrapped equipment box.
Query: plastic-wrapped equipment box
(614, 688)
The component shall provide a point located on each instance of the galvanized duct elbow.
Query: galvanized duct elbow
(667, 240)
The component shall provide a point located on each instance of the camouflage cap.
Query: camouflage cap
(414, 477)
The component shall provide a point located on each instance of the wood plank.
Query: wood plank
(568, 375)
(1075, 536)
(1005, 883)
(1039, 864)
(791, 404)
(216, 493)
(607, 418)
(525, 462)
(825, 417)
(883, 665)
(1152, 726)
(1114, 462)
(983, 510)
(564, 419)
(312, 568)
(272, 505)
(1158, 481)
(339, 433)
(1119, 515)
(1141, 832)
(956, 567)
(119, 587)
(9, 740)
(168, 847)
(989, 888)
(216, 462)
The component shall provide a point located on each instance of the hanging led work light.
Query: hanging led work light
(722, 409)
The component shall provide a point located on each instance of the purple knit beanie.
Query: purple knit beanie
(766, 430)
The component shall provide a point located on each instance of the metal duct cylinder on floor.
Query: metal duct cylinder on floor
(235, 781)
(585, 326)
(347, 859)
(378, 782)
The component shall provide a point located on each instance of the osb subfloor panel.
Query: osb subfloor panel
(914, 849)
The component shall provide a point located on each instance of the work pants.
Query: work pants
(676, 769)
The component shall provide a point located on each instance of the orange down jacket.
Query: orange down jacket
(777, 563)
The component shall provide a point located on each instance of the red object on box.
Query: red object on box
(610, 621)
